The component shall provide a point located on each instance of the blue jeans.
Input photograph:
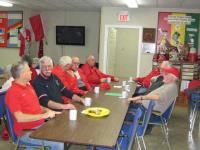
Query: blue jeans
(53, 145)
(139, 91)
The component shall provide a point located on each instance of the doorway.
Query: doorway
(122, 51)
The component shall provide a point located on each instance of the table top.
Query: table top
(88, 130)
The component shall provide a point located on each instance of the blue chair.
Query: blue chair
(2, 104)
(195, 103)
(162, 119)
(143, 126)
(127, 136)
(2, 110)
(15, 139)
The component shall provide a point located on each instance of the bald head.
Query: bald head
(90, 60)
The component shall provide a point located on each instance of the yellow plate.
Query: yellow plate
(96, 111)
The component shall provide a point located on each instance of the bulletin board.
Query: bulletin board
(10, 24)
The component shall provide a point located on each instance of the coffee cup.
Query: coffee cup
(130, 79)
(73, 114)
(108, 80)
(123, 83)
(127, 88)
(96, 89)
(88, 101)
(124, 94)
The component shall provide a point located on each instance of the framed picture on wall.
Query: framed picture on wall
(10, 24)
(148, 35)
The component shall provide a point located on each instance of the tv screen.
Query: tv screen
(70, 35)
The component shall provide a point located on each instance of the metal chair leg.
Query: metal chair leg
(138, 143)
(166, 133)
(17, 144)
(192, 119)
(144, 143)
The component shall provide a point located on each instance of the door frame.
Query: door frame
(105, 51)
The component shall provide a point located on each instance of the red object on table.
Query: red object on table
(104, 86)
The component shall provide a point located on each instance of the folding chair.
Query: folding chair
(126, 137)
(142, 127)
(2, 106)
(194, 103)
(163, 121)
(15, 139)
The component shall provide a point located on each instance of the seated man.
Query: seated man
(165, 94)
(50, 90)
(80, 79)
(29, 60)
(94, 75)
(66, 75)
(153, 80)
(23, 103)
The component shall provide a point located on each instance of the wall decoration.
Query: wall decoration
(10, 24)
(177, 34)
(149, 35)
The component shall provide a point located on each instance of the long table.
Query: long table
(88, 130)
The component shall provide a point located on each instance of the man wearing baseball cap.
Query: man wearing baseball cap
(164, 95)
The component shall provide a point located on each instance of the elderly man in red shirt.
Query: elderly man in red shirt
(66, 75)
(94, 75)
(81, 80)
(23, 103)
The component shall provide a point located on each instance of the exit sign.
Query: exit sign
(123, 16)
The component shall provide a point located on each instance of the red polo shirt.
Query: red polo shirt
(94, 75)
(24, 99)
(68, 81)
(146, 81)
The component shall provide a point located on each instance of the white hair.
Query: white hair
(36, 60)
(65, 60)
(45, 59)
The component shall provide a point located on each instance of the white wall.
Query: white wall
(11, 55)
(145, 17)
(91, 21)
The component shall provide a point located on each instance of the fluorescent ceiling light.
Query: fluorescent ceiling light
(131, 3)
(6, 4)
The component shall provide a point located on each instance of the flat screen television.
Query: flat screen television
(70, 35)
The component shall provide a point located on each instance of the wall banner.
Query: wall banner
(177, 32)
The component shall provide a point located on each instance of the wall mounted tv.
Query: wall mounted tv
(70, 35)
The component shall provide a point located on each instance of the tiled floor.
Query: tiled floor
(178, 135)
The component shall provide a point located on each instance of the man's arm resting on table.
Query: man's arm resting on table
(78, 98)
(139, 99)
(22, 117)
(53, 105)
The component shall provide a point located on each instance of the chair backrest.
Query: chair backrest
(167, 114)
(134, 127)
(142, 128)
(130, 131)
(10, 125)
(2, 104)
(193, 84)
